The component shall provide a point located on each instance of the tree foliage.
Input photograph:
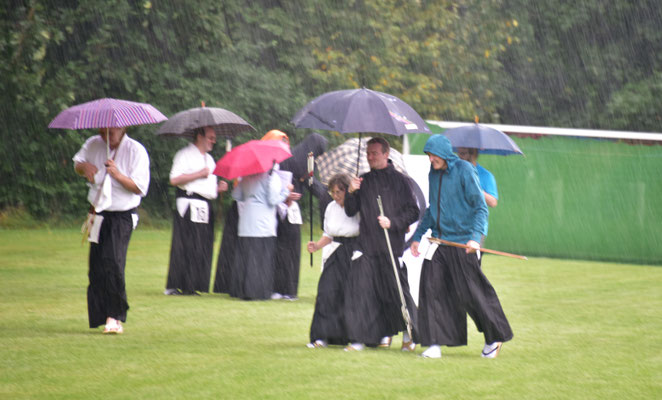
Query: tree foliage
(505, 60)
(591, 64)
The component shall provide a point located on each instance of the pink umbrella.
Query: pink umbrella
(107, 113)
(252, 157)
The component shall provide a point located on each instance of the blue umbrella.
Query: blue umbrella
(487, 140)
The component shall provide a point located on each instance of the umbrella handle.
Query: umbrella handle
(310, 161)
(358, 156)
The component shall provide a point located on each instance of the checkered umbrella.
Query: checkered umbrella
(342, 159)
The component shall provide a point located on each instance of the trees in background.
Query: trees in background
(590, 64)
(508, 61)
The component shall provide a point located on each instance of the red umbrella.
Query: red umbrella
(252, 157)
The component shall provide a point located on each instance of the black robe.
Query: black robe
(288, 258)
(372, 299)
(288, 243)
(106, 292)
(225, 260)
(329, 318)
(191, 250)
(452, 286)
(253, 271)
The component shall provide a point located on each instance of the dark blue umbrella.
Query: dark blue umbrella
(360, 110)
(487, 140)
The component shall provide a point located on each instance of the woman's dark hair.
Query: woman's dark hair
(339, 180)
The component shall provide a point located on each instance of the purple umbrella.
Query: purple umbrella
(360, 110)
(107, 113)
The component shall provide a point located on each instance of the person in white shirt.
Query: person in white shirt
(338, 243)
(192, 244)
(118, 179)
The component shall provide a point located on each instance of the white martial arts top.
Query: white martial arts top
(131, 160)
(189, 160)
(337, 223)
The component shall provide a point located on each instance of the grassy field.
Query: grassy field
(583, 330)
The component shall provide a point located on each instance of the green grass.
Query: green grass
(582, 330)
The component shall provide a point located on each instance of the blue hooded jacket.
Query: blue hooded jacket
(457, 205)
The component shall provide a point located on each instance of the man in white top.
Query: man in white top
(193, 227)
(118, 179)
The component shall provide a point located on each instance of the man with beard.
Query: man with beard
(372, 299)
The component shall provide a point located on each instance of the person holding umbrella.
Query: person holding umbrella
(193, 227)
(487, 183)
(258, 193)
(119, 176)
(372, 301)
(191, 173)
(452, 283)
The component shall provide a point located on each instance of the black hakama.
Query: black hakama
(329, 316)
(372, 300)
(106, 293)
(288, 258)
(225, 260)
(453, 285)
(253, 271)
(191, 250)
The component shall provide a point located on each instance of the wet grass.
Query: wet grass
(582, 330)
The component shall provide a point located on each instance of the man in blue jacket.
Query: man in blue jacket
(452, 283)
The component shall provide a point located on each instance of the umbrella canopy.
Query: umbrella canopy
(252, 157)
(107, 113)
(225, 123)
(298, 163)
(360, 110)
(486, 140)
(342, 159)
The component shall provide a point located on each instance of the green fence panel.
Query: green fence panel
(578, 198)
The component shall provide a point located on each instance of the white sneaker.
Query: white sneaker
(385, 342)
(433, 351)
(491, 350)
(276, 296)
(319, 343)
(113, 327)
(355, 347)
